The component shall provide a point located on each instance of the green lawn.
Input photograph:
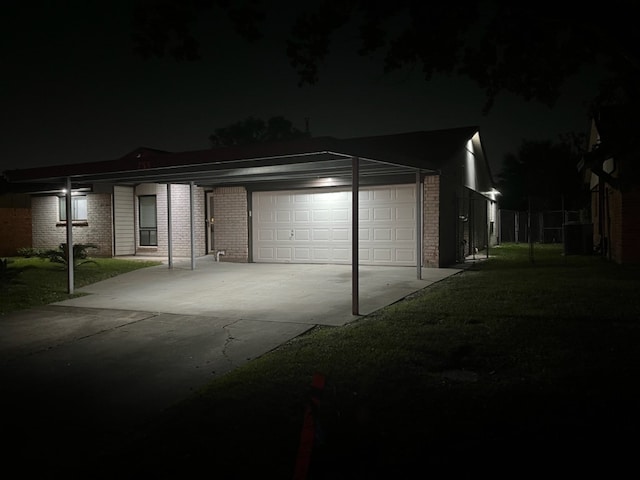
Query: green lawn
(32, 282)
(511, 369)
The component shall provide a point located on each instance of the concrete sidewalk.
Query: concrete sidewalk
(142, 341)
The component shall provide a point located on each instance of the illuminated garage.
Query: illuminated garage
(311, 226)
(419, 199)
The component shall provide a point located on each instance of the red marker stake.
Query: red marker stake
(309, 428)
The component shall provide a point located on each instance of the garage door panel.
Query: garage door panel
(267, 253)
(341, 235)
(321, 226)
(283, 235)
(283, 216)
(283, 254)
(405, 193)
(381, 214)
(265, 216)
(405, 255)
(301, 199)
(340, 215)
(382, 255)
(302, 216)
(382, 234)
(322, 254)
(383, 194)
(321, 234)
(302, 234)
(320, 216)
(405, 235)
(341, 254)
(302, 254)
(405, 213)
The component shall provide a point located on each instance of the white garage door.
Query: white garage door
(314, 226)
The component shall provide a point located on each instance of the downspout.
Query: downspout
(70, 263)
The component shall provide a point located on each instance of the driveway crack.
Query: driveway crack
(228, 341)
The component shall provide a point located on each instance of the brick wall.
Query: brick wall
(49, 232)
(431, 221)
(231, 230)
(15, 230)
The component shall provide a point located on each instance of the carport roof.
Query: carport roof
(425, 151)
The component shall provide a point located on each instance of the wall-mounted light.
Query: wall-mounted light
(493, 193)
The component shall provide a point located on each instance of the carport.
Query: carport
(309, 163)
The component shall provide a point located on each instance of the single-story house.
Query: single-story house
(424, 199)
(611, 168)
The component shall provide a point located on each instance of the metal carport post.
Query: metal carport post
(192, 226)
(169, 232)
(70, 262)
(355, 178)
(418, 226)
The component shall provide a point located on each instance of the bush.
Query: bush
(80, 254)
(29, 252)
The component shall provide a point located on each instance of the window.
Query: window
(78, 208)
(148, 221)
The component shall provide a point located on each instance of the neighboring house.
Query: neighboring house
(424, 198)
(611, 167)
(15, 223)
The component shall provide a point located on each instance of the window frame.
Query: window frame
(75, 199)
(147, 234)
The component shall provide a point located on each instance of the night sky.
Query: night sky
(73, 90)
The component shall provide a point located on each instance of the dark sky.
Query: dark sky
(73, 90)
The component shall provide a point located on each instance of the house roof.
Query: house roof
(426, 151)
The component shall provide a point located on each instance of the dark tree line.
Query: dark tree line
(528, 49)
(542, 175)
(255, 130)
(525, 48)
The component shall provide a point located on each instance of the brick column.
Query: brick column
(431, 219)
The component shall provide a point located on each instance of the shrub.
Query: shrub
(29, 252)
(80, 254)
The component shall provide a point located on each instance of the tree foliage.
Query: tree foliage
(165, 27)
(526, 48)
(544, 172)
(255, 130)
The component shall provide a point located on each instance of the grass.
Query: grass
(511, 368)
(33, 282)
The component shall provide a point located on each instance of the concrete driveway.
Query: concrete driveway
(142, 341)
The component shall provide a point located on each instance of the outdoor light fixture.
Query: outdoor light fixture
(78, 191)
(493, 193)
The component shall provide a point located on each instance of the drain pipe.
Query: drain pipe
(218, 253)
